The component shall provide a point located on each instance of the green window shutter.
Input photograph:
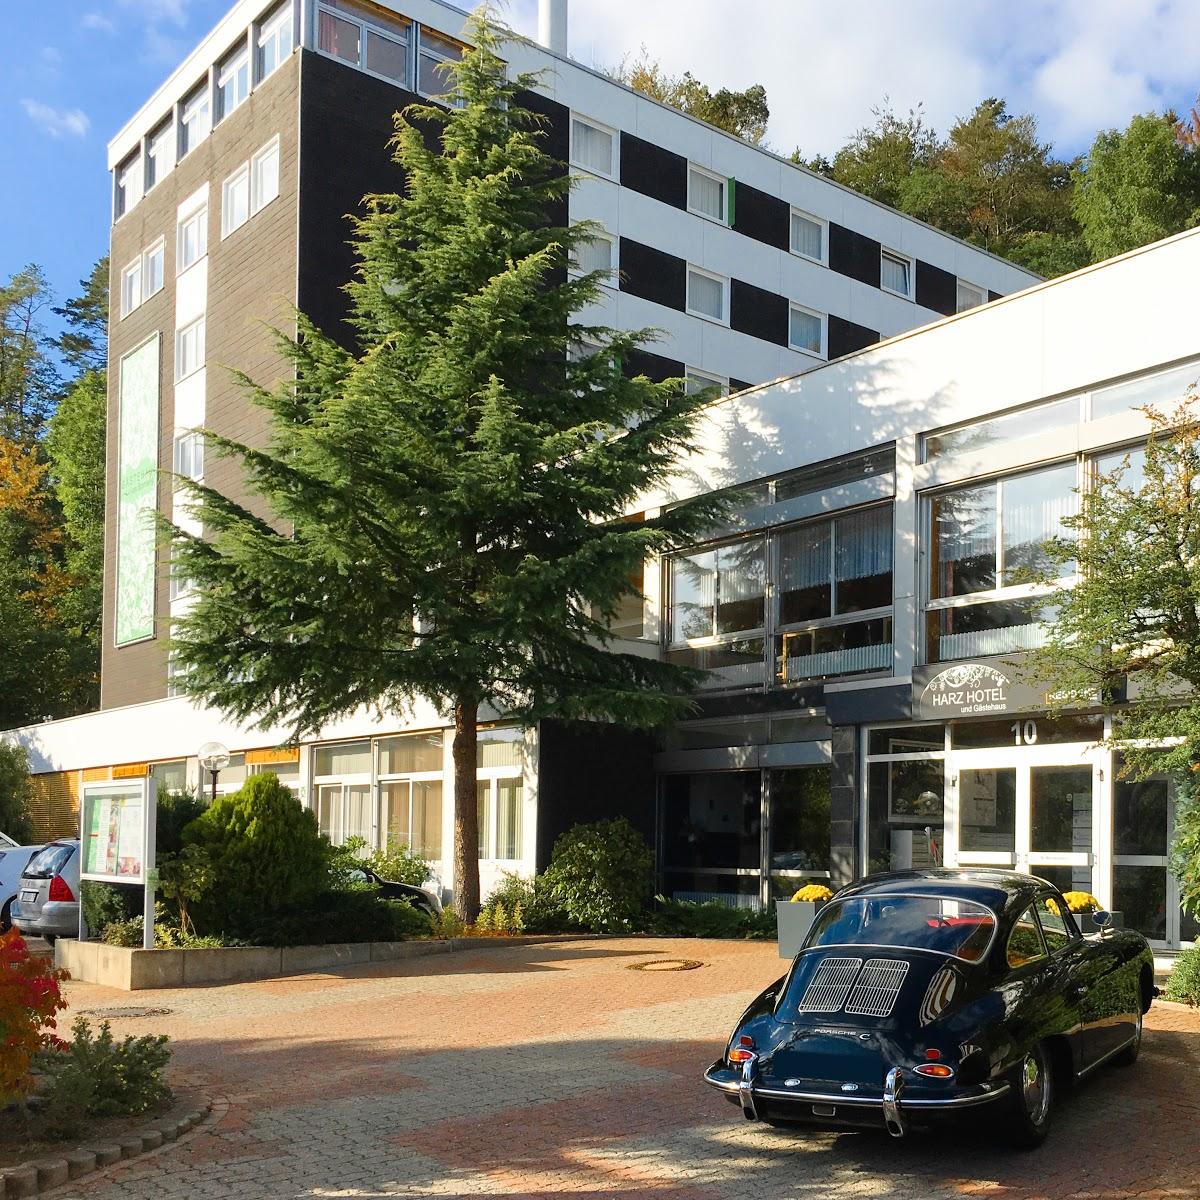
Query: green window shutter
(731, 188)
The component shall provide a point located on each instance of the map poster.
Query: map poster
(113, 831)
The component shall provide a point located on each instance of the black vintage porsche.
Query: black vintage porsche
(922, 996)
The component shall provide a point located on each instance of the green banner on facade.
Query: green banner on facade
(137, 492)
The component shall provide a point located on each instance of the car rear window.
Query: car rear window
(958, 927)
(49, 861)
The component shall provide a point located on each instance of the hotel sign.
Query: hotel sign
(978, 689)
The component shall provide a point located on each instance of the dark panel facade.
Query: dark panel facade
(936, 289)
(251, 284)
(590, 772)
(759, 313)
(656, 367)
(653, 274)
(845, 337)
(762, 216)
(653, 171)
(994, 295)
(853, 254)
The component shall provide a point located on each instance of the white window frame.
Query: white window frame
(614, 137)
(158, 248)
(197, 331)
(910, 270)
(408, 39)
(723, 280)
(961, 283)
(722, 181)
(239, 179)
(187, 455)
(823, 351)
(199, 101)
(431, 52)
(610, 276)
(130, 183)
(704, 379)
(824, 226)
(161, 148)
(269, 31)
(199, 217)
(179, 585)
(228, 69)
(131, 294)
(257, 200)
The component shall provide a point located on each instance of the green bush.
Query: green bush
(106, 904)
(175, 812)
(94, 1075)
(267, 858)
(601, 875)
(1184, 984)
(540, 911)
(399, 864)
(16, 794)
(344, 916)
(712, 919)
(167, 934)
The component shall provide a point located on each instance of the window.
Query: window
(339, 37)
(1027, 422)
(1025, 944)
(153, 270)
(180, 584)
(366, 38)
(1164, 387)
(235, 201)
(160, 153)
(500, 802)
(895, 273)
(131, 287)
(987, 559)
(233, 82)
(189, 349)
(129, 184)
(706, 194)
(808, 236)
(193, 239)
(411, 815)
(718, 592)
(695, 381)
(189, 456)
(195, 121)
(1057, 924)
(275, 39)
(969, 296)
(432, 79)
(592, 147)
(598, 253)
(707, 295)
(264, 171)
(177, 675)
(806, 331)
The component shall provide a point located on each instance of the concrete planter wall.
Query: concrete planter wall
(795, 919)
(136, 970)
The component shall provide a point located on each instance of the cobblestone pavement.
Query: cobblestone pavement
(552, 1069)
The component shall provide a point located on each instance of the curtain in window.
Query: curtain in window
(863, 560)
(1033, 509)
(806, 237)
(964, 541)
(694, 593)
(804, 573)
(741, 586)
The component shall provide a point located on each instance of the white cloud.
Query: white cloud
(57, 122)
(1079, 65)
(95, 20)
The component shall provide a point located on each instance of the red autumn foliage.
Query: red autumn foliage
(30, 998)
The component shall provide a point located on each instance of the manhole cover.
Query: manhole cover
(666, 964)
(132, 1012)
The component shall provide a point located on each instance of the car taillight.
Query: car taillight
(743, 1051)
(60, 891)
(935, 1070)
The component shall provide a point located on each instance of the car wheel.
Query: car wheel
(1031, 1098)
(1129, 1055)
(6, 917)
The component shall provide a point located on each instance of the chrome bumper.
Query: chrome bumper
(895, 1108)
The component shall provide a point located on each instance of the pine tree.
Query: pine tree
(446, 506)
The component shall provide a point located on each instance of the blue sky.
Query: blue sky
(73, 71)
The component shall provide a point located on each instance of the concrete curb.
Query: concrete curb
(44, 1174)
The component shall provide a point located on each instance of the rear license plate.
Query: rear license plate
(28, 897)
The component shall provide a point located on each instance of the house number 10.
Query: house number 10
(1024, 733)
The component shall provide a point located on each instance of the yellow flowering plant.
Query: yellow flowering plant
(813, 893)
(1077, 902)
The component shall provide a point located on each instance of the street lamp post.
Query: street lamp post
(213, 758)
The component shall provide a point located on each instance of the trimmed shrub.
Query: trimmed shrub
(106, 904)
(712, 919)
(176, 811)
(601, 875)
(533, 899)
(344, 916)
(1184, 984)
(268, 859)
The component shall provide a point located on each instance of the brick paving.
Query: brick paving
(552, 1069)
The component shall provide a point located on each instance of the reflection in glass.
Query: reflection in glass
(963, 550)
(987, 810)
(997, 627)
(905, 815)
(1061, 799)
(1169, 387)
(850, 649)
(731, 664)
(1029, 422)
(712, 819)
(1141, 814)
(1140, 896)
(718, 591)
(799, 820)
(906, 739)
(1033, 507)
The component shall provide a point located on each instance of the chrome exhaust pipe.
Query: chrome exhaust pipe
(893, 1089)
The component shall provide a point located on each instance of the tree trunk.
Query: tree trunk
(466, 809)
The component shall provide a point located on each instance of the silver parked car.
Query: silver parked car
(13, 861)
(47, 903)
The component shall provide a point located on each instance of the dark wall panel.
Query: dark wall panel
(590, 772)
(656, 367)
(994, 295)
(653, 171)
(759, 313)
(936, 289)
(853, 254)
(653, 274)
(557, 142)
(845, 337)
(762, 216)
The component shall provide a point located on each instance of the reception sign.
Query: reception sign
(949, 691)
(113, 831)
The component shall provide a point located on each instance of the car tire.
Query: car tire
(6, 917)
(1129, 1055)
(1031, 1098)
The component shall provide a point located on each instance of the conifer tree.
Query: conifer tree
(441, 513)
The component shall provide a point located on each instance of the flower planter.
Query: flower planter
(795, 918)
